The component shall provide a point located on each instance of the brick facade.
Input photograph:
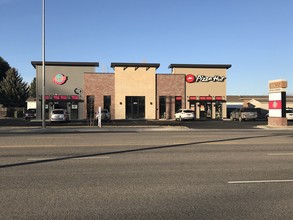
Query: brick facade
(170, 86)
(99, 85)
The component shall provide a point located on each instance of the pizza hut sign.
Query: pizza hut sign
(190, 78)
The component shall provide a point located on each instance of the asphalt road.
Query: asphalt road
(194, 174)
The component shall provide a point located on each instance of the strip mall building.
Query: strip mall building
(133, 90)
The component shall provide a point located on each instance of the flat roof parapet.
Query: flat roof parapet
(213, 66)
(54, 63)
(136, 65)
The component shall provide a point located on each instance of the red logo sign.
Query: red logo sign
(190, 78)
(275, 104)
(59, 79)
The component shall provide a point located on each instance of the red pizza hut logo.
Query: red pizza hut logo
(201, 78)
(59, 79)
(190, 78)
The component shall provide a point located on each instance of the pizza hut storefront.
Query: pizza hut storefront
(205, 88)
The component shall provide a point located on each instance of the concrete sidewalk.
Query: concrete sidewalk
(93, 129)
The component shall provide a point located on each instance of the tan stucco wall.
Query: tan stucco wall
(204, 88)
(133, 81)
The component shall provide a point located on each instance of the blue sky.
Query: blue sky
(254, 36)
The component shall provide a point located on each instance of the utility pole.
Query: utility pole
(43, 67)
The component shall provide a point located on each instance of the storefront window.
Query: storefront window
(178, 103)
(74, 110)
(162, 107)
(205, 109)
(107, 103)
(209, 110)
(90, 105)
(218, 107)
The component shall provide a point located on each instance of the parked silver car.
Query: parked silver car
(59, 115)
(241, 114)
(184, 114)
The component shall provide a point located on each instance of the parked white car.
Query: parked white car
(289, 114)
(184, 114)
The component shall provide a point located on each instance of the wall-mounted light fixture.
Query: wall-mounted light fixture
(120, 103)
(151, 103)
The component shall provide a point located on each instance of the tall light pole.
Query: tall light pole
(43, 67)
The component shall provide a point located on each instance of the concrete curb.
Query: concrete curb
(275, 127)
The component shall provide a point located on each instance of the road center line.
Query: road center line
(56, 158)
(88, 158)
(281, 154)
(27, 146)
(260, 181)
(44, 158)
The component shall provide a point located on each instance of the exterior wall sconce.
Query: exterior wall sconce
(151, 103)
(120, 103)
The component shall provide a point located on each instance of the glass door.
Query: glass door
(135, 107)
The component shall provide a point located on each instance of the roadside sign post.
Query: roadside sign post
(100, 117)
(277, 103)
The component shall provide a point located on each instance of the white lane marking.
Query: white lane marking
(44, 158)
(260, 181)
(16, 146)
(87, 158)
(56, 158)
(281, 154)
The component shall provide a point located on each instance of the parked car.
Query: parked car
(30, 113)
(241, 114)
(289, 114)
(261, 113)
(184, 114)
(106, 115)
(60, 115)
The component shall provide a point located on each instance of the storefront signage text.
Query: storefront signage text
(201, 78)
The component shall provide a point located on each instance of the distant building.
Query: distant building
(31, 103)
(259, 102)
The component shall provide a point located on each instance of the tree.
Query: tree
(4, 67)
(14, 92)
(33, 88)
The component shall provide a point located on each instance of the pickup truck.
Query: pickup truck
(241, 114)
